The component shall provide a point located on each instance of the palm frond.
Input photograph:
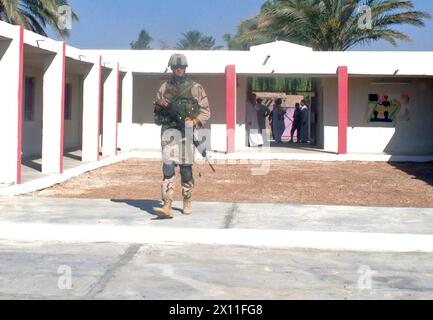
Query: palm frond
(35, 15)
(332, 24)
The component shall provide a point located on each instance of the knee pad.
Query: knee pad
(168, 169)
(186, 173)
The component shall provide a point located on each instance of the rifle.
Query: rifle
(180, 125)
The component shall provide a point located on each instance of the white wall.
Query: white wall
(145, 88)
(73, 127)
(144, 134)
(110, 109)
(53, 86)
(412, 137)
(215, 87)
(126, 106)
(91, 114)
(301, 62)
(32, 130)
(9, 79)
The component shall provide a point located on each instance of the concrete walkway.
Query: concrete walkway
(271, 225)
(31, 168)
(100, 249)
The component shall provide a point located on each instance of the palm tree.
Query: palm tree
(246, 35)
(143, 41)
(335, 25)
(195, 40)
(35, 15)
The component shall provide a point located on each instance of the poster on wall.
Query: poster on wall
(388, 108)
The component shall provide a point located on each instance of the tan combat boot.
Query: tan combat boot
(187, 207)
(165, 212)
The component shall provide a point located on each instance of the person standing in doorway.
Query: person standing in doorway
(270, 118)
(262, 114)
(255, 138)
(297, 122)
(278, 126)
(305, 115)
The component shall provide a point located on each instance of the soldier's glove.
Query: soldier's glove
(197, 123)
(163, 103)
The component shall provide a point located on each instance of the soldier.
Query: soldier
(188, 99)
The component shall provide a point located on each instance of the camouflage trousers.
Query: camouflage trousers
(177, 151)
(168, 184)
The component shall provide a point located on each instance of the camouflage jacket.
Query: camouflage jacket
(187, 97)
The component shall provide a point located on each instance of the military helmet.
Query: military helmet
(178, 59)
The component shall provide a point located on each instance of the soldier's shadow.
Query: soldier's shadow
(147, 206)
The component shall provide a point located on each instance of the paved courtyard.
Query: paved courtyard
(102, 249)
(39, 270)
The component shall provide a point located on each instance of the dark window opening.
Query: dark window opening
(68, 101)
(29, 99)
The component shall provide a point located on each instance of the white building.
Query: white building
(55, 98)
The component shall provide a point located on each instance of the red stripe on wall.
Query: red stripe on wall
(117, 103)
(343, 109)
(62, 119)
(99, 104)
(20, 104)
(230, 107)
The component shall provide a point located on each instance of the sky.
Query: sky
(114, 24)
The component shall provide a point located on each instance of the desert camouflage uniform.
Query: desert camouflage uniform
(178, 151)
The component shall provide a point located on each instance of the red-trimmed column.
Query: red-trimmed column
(20, 105)
(99, 106)
(11, 106)
(343, 108)
(230, 107)
(117, 105)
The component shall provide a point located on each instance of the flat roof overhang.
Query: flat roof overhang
(76, 67)
(37, 57)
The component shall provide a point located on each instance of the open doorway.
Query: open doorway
(73, 112)
(288, 127)
(35, 61)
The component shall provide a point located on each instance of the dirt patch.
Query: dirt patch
(331, 183)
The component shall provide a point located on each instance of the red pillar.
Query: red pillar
(20, 104)
(118, 103)
(99, 105)
(343, 109)
(230, 107)
(62, 120)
